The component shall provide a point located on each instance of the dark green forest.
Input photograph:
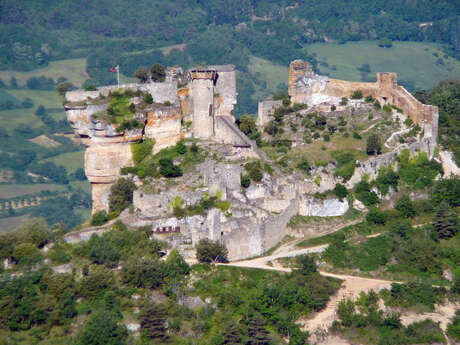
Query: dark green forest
(217, 31)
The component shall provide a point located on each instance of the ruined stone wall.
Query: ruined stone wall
(265, 109)
(225, 90)
(274, 229)
(304, 83)
(161, 92)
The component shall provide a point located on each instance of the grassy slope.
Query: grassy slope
(70, 160)
(413, 61)
(73, 69)
(272, 73)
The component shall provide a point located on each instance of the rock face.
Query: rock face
(311, 206)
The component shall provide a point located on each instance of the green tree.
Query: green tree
(231, 334)
(257, 333)
(405, 205)
(373, 145)
(102, 329)
(142, 74)
(99, 218)
(211, 251)
(121, 195)
(26, 253)
(98, 280)
(340, 191)
(153, 322)
(158, 72)
(247, 124)
(446, 222)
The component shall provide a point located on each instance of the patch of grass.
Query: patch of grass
(72, 69)
(13, 190)
(11, 223)
(83, 185)
(70, 160)
(409, 60)
(10, 119)
(271, 72)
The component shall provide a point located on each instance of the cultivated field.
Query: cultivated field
(420, 63)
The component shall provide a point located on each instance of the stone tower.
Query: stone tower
(202, 91)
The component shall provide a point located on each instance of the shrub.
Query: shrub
(377, 105)
(121, 194)
(326, 137)
(356, 135)
(91, 88)
(99, 218)
(142, 74)
(245, 181)
(369, 99)
(340, 191)
(148, 98)
(255, 171)
(387, 108)
(304, 166)
(181, 148)
(358, 94)
(373, 145)
(333, 107)
(344, 101)
(375, 216)
(157, 72)
(169, 169)
(142, 150)
(405, 205)
(209, 251)
(364, 193)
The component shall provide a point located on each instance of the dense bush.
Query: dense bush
(169, 169)
(255, 171)
(340, 191)
(358, 94)
(406, 207)
(121, 195)
(210, 251)
(364, 193)
(99, 218)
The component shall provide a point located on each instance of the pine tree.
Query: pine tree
(153, 322)
(232, 335)
(446, 222)
(258, 334)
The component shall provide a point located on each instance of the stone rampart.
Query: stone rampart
(160, 92)
(304, 84)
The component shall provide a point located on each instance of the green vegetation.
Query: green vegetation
(206, 203)
(446, 96)
(363, 321)
(121, 195)
(211, 251)
(170, 162)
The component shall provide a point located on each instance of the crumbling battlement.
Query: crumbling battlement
(208, 101)
(304, 85)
